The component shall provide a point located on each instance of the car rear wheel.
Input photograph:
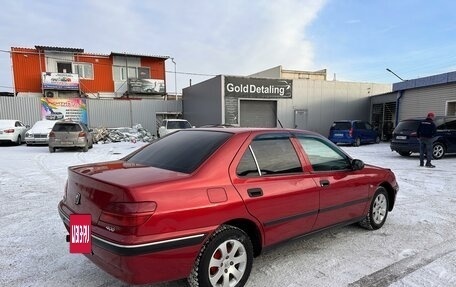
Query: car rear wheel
(86, 147)
(378, 210)
(357, 142)
(224, 260)
(51, 149)
(438, 150)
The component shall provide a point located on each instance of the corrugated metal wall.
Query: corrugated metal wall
(27, 109)
(418, 102)
(327, 101)
(101, 113)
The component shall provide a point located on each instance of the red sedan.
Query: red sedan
(202, 203)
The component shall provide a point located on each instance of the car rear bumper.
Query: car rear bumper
(63, 144)
(143, 263)
(405, 147)
(342, 140)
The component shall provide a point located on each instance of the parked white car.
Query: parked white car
(39, 133)
(12, 131)
(171, 125)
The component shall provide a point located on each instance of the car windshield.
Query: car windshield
(183, 151)
(173, 125)
(341, 126)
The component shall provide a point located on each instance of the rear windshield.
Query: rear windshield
(174, 125)
(66, 127)
(407, 126)
(183, 151)
(341, 126)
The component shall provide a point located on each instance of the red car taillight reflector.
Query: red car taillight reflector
(350, 132)
(9, 131)
(128, 214)
(81, 134)
(51, 134)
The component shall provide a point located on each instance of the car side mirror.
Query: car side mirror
(357, 164)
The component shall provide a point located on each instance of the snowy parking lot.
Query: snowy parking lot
(416, 246)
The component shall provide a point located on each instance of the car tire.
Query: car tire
(18, 140)
(378, 210)
(404, 153)
(51, 149)
(86, 147)
(438, 150)
(357, 142)
(227, 252)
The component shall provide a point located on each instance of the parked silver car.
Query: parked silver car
(171, 125)
(69, 134)
(39, 133)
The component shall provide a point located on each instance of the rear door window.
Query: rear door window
(271, 154)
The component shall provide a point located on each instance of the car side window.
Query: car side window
(274, 154)
(451, 125)
(322, 156)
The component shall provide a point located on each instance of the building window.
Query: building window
(143, 73)
(84, 70)
(132, 73)
(63, 67)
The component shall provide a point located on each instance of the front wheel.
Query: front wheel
(438, 150)
(378, 210)
(19, 140)
(224, 260)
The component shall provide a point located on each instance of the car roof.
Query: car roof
(239, 130)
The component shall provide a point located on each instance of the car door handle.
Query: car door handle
(255, 192)
(324, 183)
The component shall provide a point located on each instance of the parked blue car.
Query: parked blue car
(354, 132)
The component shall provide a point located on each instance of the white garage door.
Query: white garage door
(260, 114)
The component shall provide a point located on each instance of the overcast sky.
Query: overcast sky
(354, 40)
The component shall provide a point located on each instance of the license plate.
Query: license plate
(338, 135)
(401, 137)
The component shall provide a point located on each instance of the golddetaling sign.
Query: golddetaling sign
(260, 88)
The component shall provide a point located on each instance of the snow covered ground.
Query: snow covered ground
(416, 246)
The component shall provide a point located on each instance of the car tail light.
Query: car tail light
(350, 132)
(52, 135)
(128, 214)
(9, 131)
(413, 134)
(82, 134)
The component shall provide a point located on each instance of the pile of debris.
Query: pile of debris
(133, 134)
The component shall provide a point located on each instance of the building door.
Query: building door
(260, 114)
(300, 119)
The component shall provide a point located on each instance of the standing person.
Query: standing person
(425, 133)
